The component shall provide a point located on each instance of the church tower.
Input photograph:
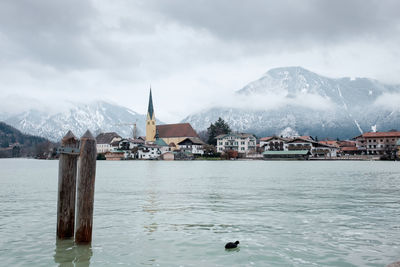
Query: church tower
(150, 122)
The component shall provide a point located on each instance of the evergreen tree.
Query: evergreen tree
(217, 128)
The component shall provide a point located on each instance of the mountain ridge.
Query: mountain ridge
(301, 101)
(98, 116)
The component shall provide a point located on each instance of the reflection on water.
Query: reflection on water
(151, 208)
(67, 254)
(232, 249)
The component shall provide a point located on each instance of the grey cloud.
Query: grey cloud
(47, 31)
(285, 20)
(50, 49)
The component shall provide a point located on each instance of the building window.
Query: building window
(148, 123)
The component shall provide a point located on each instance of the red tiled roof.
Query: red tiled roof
(381, 134)
(306, 137)
(347, 143)
(349, 148)
(176, 130)
(275, 137)
(301, 140)
(331, 143)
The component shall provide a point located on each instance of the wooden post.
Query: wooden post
(85, 198)
(66, 188)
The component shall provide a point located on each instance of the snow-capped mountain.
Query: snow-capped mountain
(97, 117)
(291, 100)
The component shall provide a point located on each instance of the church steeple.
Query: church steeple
(150, 121)
(150, 109)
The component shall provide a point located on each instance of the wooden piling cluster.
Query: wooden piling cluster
(71, 151)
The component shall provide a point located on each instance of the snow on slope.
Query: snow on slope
(97, 117)
(352, 105)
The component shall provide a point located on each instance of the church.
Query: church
(171, 134)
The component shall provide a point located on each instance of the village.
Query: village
(181, 142)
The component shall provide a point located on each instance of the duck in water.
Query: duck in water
(231, 245)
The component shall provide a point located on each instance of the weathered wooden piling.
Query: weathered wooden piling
(86, 179)
(67, 186)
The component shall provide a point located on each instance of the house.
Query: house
(167, 156)
(193, 144)
(240, 142)
(274, 143)
(104, 141)
(115, 145)
(129, 144)
(348, 147)
(164, 147)
(123, 149)
(316, 149)
(148, 151)
(378, 143)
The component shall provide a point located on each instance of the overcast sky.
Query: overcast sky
(191, 52)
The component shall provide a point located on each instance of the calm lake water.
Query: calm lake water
(155, 213)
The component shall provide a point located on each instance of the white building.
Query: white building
(240, 142)
(274, 143)
(193, 144)
(104, 141)
(129, 144)
(148, 151)
(315, 148)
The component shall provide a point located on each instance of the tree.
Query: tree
(230, 154)
(210, 151)
(215, 129)
(16, 152)
(5, 143)
(203, 135)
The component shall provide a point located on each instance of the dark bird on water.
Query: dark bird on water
(231, 245)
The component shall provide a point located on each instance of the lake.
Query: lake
(158, 213)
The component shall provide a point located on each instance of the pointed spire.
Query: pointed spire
(69, 136)
(150, 109)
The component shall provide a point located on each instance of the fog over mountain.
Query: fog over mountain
(293, 100)
(98, 117)
(284, 101)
